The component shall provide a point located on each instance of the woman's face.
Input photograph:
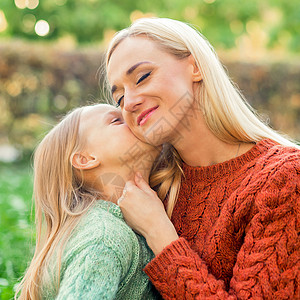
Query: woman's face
(110, 140)
(153, 88)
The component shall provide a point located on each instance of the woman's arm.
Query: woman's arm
(267, 264)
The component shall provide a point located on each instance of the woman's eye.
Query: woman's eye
(119, 101)
(143, 77)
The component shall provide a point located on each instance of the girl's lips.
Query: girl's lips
(144, 116)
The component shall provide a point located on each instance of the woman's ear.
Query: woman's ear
(83, 161)
(196, 74)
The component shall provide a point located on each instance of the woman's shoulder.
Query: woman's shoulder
(272, 184)
(276, 175)
(279, 158)
(277, 169)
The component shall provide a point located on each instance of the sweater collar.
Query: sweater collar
(221, 169)
(110, 207)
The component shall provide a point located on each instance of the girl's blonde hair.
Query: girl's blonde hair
(60, 199)
(226, 112)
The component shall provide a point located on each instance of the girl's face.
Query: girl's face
(110, 140)
(153, 88)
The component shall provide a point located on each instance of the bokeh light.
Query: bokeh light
(13, 88)
(20, 4)
(42, 28)
(190, 13)
(31, 4)
(108, 35)
(3, 22)
(236, 26)
(60, 102)
(29, 21)
(136, 14)
(272, 16)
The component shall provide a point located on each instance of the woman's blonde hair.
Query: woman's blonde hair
(226, 112)
(60, 199)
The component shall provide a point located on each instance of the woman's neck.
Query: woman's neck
(198, 151)
(198, 146)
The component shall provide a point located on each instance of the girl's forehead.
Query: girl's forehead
(92, 115)
(100, 109)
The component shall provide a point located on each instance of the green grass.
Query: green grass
(16, 225)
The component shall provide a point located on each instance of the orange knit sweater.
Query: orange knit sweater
(239, 228)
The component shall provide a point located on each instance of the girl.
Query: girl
(238, 210)
(84, 248)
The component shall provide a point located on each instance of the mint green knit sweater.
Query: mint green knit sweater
(103, 259)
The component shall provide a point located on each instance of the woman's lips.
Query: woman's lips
(145, 115)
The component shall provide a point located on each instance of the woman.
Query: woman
(237, 214)
(84, 248)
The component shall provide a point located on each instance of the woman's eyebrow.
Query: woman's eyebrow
(113, 89)
(129, 71)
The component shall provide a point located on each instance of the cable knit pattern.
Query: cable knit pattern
(104, 259)
(239, 224)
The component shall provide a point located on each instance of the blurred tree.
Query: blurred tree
(226, 23)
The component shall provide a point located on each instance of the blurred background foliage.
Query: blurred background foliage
(51, 52)
(39, 84)
(227, 23)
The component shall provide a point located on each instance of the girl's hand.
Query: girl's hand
(144, 213)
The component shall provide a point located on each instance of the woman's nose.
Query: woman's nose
(131, 101)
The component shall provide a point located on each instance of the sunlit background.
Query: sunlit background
(229, 24)
(50, 54)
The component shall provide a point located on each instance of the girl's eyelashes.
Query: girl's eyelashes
(115, 120)
(143, 77)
